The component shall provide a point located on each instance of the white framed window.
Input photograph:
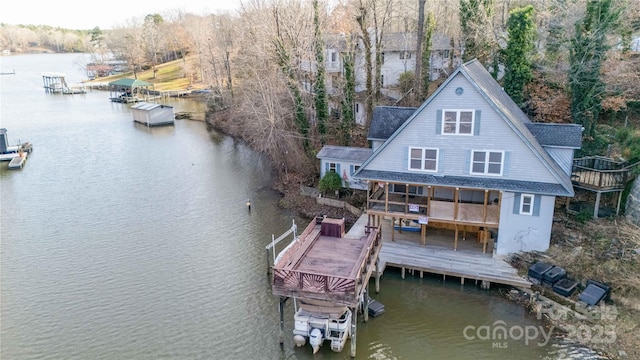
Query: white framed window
(526, 204)
(457, 122)
(423, 159)
(333, 167)
(487, 162)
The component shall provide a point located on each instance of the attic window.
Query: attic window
(457, 122)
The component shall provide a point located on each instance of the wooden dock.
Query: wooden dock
(438, 256)
(18, 161)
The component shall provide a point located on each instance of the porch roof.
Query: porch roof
(345, 153)
(465, 182)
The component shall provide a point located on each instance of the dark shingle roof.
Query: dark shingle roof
(560, 135)
(346, 153)
(465, 182)
(386, 120)
(514, 116)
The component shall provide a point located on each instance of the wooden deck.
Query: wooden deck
(328, 268)
(597, 173)
(439, 257)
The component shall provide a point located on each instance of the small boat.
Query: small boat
(320, 323)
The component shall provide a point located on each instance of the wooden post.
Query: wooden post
(377, 276)
(455, 242)
(423, 234)
(618, 204)
(365, 305)
(455, 205)
(402, 273)
(386, 197)
(484, 209)
(597, 206)
(354, 321)
(393, 228)
(281, 308)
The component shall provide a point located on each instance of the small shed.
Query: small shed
(153, 114)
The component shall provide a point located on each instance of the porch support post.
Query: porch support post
(429, 195)
(393, 228)
(386, 197)
(618, 204)
(484, 208)
(455, 206)
(455, 242)
(406, 198)
(596, 208)
(423, 234)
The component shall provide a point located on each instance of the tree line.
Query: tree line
(561, 61)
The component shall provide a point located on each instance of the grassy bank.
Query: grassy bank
(172, 75)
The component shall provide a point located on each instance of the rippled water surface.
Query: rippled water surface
(123, 242)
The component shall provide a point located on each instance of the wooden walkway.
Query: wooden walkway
(438, 257)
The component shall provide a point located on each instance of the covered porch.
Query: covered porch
(451, 212)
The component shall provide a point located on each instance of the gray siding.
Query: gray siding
(563, 156)
(524, 232)
(494, 134)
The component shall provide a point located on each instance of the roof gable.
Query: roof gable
(492, 94)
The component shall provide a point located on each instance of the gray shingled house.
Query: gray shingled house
(469, 160)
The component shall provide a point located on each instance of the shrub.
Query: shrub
(330, 182)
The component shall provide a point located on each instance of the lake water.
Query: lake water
(120, 241)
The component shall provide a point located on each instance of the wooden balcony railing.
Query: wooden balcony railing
(600, 173)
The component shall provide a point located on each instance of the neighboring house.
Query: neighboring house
(469, 159)
(344, 161)
(398, 56)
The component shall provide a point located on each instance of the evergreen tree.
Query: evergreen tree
(320, 91)
(426, 57)
(587, 53)
(522, 32)
(348, 92)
